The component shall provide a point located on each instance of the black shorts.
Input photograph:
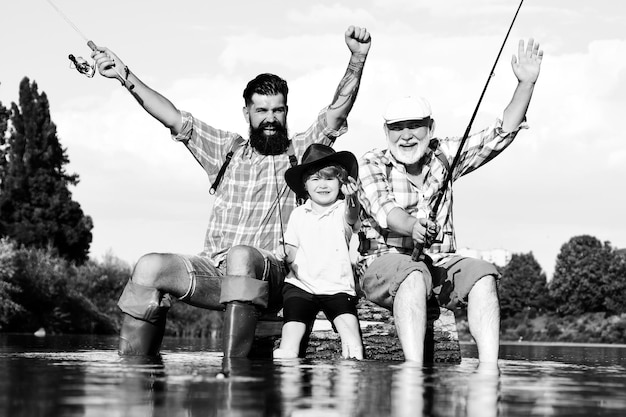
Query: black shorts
(302, 306)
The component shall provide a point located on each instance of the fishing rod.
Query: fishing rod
(428, 238)
(81, 64)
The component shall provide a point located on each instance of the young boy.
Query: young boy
(316, 251)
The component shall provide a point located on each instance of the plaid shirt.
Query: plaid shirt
(246, 209)
(385, 185)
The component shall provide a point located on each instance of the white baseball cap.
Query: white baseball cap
(407, 108)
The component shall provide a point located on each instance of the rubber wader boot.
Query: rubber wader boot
(239, 327)
(139, 337)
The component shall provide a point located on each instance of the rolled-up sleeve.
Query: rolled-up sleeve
(327, 131)
(481, 147)
(187, 128)
(318, 132)
(206, 143)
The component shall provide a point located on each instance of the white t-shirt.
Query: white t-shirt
(322, 264)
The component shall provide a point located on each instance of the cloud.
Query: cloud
(322, 13)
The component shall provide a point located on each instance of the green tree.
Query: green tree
(49, 296)
(523, 285)
(36, 206)
(582, 276)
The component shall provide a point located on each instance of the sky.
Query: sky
(563, 177)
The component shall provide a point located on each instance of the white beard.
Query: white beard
(409, 156)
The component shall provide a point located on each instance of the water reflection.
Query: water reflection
(64, 377)
(407, 391)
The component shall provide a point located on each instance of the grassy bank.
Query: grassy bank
(586, 328)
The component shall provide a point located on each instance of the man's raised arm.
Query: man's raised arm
(359, 42)
(159, 107)
(526, 67)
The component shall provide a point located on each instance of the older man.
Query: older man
(237, 271)
(399, 187)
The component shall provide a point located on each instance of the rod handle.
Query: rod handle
(418, 251)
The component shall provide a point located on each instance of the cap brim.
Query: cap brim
(405, 119)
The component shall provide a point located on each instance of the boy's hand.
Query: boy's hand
(349, 188)
(280, 253)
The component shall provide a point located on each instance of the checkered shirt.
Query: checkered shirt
(247, 209)
(385, 185)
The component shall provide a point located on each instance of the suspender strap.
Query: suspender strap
(444, 161)
(237, 142)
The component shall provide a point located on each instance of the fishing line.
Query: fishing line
(67, 19)
(417, 251)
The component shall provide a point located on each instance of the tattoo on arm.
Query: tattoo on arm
(349, 84)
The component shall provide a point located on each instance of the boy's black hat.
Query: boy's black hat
(319, 156)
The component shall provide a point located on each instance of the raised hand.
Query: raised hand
(527, 63)
(358, 40)
(109, 65)
(349, 188)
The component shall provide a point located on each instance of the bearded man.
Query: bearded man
(398, 191)
(237, 270)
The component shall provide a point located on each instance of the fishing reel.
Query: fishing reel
(81, 65)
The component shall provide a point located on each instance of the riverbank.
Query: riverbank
(586, 328)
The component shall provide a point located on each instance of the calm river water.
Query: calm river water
(84, 376)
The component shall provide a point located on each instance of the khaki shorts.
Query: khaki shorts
(452, 280)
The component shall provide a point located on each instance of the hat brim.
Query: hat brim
(293, 176)
(406, 119)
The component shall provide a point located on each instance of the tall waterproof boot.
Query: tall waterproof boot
(139, 337)
(240, 321)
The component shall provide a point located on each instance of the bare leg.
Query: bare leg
(483, 316)
(293, 331)
(409, 313)
(347, 326)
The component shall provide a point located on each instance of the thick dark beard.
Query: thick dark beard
(275, 144)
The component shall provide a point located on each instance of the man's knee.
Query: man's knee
(416, 283)
(151, 268)
(246, 261)
(144, 302)
(486, 283)
(484, 289)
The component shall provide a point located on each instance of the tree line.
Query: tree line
(48, 280)
(585, 301)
